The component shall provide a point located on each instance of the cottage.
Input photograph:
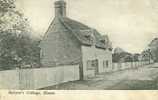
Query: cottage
(68, 42)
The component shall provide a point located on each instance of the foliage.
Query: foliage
(136, 57)
(6, 5)
(153, 46)
(154, 53)
(120, 55)
(17, 48)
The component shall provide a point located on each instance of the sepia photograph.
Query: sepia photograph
(79, 45)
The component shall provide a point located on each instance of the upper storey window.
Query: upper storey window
(89, 34)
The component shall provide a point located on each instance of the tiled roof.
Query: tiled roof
(82, 32)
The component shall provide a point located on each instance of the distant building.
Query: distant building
(69, 42)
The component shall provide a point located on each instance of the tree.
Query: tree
(120, 55)
(153, 46)
(136, 57)
(6, 5)
(28, 51)
(7, 50)
(17, 48)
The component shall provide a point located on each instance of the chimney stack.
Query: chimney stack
(60, 8)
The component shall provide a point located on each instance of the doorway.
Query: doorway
(95, 64)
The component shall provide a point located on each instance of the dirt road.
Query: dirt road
(133, 79)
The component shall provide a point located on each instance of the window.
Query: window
(91, 64)
(106, 64)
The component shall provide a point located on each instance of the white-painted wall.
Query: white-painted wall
(38, 78)
(92, 53)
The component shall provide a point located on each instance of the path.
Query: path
(142, 78)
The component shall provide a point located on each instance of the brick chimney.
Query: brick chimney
(60, 8)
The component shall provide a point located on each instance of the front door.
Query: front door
(95, 64)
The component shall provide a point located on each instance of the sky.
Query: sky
(130, 24)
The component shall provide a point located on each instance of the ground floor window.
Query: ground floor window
(106, 64)
(91, 64)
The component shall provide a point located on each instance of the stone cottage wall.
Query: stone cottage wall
(59, 47)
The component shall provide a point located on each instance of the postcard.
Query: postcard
(79, 48)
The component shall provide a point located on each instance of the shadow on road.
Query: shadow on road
(135, 85)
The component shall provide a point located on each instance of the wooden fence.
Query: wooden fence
(38, 78)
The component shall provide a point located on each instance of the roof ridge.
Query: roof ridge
(79, 31)
(62, 18)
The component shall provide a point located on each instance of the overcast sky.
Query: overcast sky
(130, 24)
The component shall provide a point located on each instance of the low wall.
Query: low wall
(38, 78)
